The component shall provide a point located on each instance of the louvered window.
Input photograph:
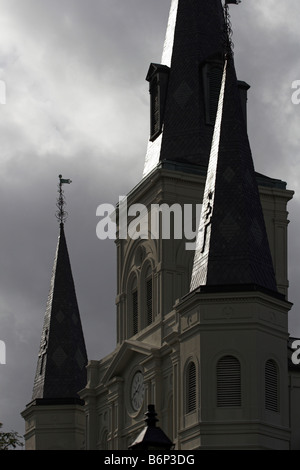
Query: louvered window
(228, 382)
(215, 78)
(135, 312)
(271, 386)
(212, 78)
(158, 79)
(191, 388)
(155, 107)
(149, 301)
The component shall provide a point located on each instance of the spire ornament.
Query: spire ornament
(228, 43)
(61, 214)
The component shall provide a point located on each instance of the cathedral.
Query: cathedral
(202, 328)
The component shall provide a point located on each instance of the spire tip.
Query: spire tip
(61, 214)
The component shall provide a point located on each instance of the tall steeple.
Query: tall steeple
(55, 418)
(232, 245)
(62, 359)
(200, 356)
(184, 88)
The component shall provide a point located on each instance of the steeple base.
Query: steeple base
(54, 424)
(239, 341)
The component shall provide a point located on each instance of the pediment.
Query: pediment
(124, 356)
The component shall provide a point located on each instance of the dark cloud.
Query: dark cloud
(78, 104)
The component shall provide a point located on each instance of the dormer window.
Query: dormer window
(212, 78)
(156, 121)
(158, 81)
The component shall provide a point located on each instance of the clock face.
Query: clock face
(137, 391)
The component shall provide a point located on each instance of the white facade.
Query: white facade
(178, 352)
(213, 361)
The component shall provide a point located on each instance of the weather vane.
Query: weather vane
(61, 214)
(228, 29)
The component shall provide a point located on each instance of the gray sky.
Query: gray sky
(77, 103)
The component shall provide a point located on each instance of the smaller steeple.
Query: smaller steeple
(232, 246)
(62, 359)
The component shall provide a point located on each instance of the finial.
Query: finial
(61, 214)
(228, 29)
(151, 414)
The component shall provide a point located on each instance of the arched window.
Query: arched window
(191, 388)
(149, 296)
(271, 386)
(134, 307)
(228, 382)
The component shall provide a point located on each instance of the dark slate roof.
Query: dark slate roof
(198, 36)
(62, 360)
(236, 249)
(151, 437)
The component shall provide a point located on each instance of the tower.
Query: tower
(202, 299)
(238, 317)
(202, 337)
(55, 417)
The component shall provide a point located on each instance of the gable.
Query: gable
(125, 355)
